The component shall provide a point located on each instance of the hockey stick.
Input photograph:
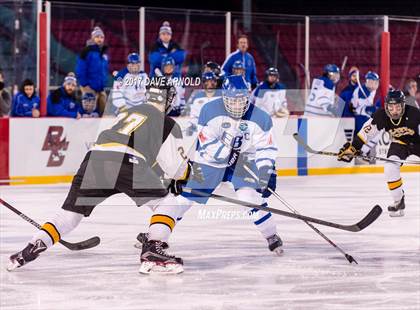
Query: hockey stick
(285, 203)
(365, 157)
(365, 222)
(82, 245)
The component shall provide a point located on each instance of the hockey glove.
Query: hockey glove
(193, 172)
(347, 152)
(266, 181)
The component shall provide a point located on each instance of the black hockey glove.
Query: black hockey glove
(347, 153)
(266, 181)
(193, 172)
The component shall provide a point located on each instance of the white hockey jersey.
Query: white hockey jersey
(221, 135)
(129, 90)
(196, 102)
(362, 98)
(270, 100)
(321, 98)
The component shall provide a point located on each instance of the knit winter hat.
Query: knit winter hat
(70, 79)
(165, 28)
(97, 31)
(353, 70)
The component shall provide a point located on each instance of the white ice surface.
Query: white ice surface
(227, 263)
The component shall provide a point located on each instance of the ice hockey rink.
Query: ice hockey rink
(227, 263)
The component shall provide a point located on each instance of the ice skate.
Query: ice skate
(143, 238)
(275, 244)
(154, 259)
(28, 254)
(397, 209)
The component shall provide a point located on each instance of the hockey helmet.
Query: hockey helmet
(133, 63)
(372, 80)
(89, 102)
(332, 72)
(238, 68)
(161, 91)
(235, 95)
(395, 104)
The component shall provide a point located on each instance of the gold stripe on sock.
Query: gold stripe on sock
(52, 231)
(394, 184)
(163, 219)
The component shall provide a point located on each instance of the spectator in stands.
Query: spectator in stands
(62, 102)
(270, 95)
(246, 58)
(92, 67)
(89, 106)
(5, 98)
(410, 90)
(347, 93)
(26, 101)
(165, 47)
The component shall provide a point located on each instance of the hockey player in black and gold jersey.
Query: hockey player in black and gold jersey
(402, 123)
(121, 161)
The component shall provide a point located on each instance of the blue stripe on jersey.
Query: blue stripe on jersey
(302, 159)
(263, 219)
(267, 148)
(265, 158)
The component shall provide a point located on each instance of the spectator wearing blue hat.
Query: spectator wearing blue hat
(347, 93)
(89, 106)
(62, 102)
(26, 102)
(92, 67)
(165, 47)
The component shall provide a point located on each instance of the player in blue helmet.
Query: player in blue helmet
(89, 107)
(168, 66)
(133, 63)
(235, 95)
(238, 68)
(322, 99)
(129, 87)
(332, 72)
(232, 135)
(168, 69)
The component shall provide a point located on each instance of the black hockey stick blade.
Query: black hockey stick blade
(366, 221)
(82, 245)
(369, 218)
(351, 259)
(77, 246)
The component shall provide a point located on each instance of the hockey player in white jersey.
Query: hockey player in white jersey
(168, 69)
(363, 96)
(200, 97)
(270, 95)
(321, 99)
(129, 88)
(232, 133)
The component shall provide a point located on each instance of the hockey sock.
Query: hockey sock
(393, 177)
(52, 231)
(263, 221)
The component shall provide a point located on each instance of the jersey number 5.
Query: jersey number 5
(131, 123)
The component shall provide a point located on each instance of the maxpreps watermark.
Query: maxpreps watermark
(220, 214)
(130, 81)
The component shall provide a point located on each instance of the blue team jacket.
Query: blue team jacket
(23, 105)
(59, 103)
(346, 95)
(92, 67)
(159, 51)
(247, 60)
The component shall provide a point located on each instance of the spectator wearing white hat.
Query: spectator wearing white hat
(165, 47)
(92, 67)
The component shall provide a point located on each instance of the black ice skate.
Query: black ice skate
(275, 244)
(154, 259)
(143, 238)
(28, 254)
(397, 209)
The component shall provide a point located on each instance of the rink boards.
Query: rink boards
(49, 150)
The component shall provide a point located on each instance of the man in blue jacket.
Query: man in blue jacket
(165, 47)
(26, 102)
(92, 67)
(246, 58)
(347, 93)
(61, 102)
